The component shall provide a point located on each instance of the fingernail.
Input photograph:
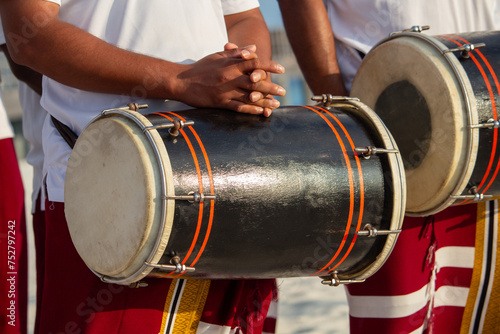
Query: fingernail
(254, 97)
(281, 91)
(255, 77)
(245, 53)
(275, 104)
(280, 68)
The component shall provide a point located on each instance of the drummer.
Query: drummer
(429, 283)
(98, 55)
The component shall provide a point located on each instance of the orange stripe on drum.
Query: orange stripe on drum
(493, 107)
(361, 186)
(351, 189)
(200, 183)
(212, 190)
(495, 114)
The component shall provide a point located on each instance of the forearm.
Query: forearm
(76, 58)
(310, 35)
(249, 28)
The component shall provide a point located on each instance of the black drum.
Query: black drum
(438, 96)
(217, 194)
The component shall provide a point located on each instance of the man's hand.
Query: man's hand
(257, 75)
(234, 79)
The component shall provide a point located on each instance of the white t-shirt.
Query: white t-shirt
(360, 24)
(33, 119)
(181, 31)
(5, 126)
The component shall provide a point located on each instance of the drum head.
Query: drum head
(415, 91)
(113, 197)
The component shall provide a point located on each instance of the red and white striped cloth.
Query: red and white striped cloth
(74, 300)
(438, 279)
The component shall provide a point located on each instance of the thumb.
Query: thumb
(246, 53)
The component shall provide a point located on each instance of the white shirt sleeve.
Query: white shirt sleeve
(238, 6)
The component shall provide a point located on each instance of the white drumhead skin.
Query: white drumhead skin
(113, 197)
(415, 60)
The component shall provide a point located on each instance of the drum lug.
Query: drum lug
(174, 127)
(466, 49)
(333, 280)
(328, 99)
(138, 284)
(368, 151)
(193, 197)
(491, 124)
(371, 232)
(175, 266)
(130, 106)
(412, 29)
(475, 195)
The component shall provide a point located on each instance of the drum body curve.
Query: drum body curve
(232, 195)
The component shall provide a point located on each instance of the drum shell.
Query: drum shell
(471, 82)
(286, 201)
(481, 68)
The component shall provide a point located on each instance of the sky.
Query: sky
(271, 12)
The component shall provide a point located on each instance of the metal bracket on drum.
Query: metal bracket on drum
(174, 127)
(368, 151)
(475, 197)
(466, 49)
(176, 266)
(138, 284)
(130, 106)
(412, 29)
(328, 99)
(192, 196)
(333, 280)
(491, 124)
(372, 232)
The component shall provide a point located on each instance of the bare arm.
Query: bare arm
(310, 34)
(38, 39)
(27, 75)
(248, 28)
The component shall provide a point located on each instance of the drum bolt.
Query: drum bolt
(136, 106)
(333, 280)
(412, 29)
(174, 132)
(493, 123)
(176, 261)
(490, 124)
(417, 29)
(193, 197)
(371, 232)
(138, 284)
(175, 267)
(129, 107)
(368, 151)
(466, 49)
(328, 99)
(475, 196)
